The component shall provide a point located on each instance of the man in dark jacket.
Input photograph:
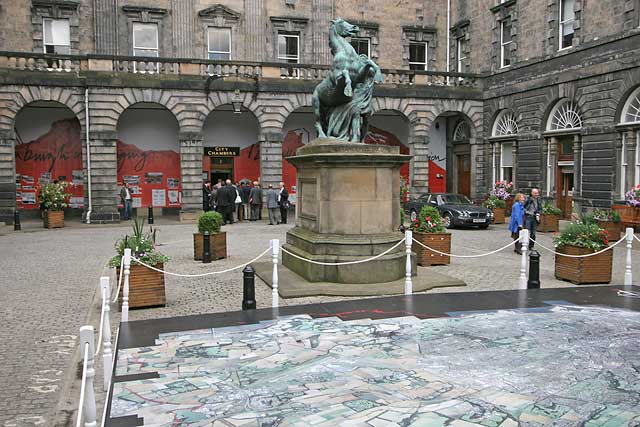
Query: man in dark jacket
(283, 202)
(255, 201)
(226, 200)
(206, 196)
(532, 211)
(245, 191)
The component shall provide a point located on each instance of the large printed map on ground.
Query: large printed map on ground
(561, 365)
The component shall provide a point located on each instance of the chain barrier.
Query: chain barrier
(201, 274)
(345, 262)
(580, 256)
(466, 256)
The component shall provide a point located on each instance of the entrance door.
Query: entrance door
(565, 192)
(221, 169)
(464, 174)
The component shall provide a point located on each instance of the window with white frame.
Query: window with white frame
(145, 39)
(461, 47)
(219, 43)
(637, 172)
(505, 43)
(56, 36)
(361, 45)
(418, 56)
(506, 161)
(567, 18)
(289, 48)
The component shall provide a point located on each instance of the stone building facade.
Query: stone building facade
(541, 92)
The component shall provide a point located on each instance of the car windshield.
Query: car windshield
(456, 199)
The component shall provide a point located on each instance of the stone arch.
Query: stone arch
(626, 104)
(25, 95)
(471, 110)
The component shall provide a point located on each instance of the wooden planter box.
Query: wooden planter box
(498, 216)
(581, 271)
(507, 209)
(437, 241)
(53, 219)
(549, 223)
(613, 228)
(217, 245)
(146, 286)
(629, 215)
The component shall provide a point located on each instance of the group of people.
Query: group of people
(525, 214)
(245, 201)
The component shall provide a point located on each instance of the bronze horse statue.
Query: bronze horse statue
(342, 101)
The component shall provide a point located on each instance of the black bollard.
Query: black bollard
(534, 270)
(16, 221)
(206, 248)
(150, 215)
(249, 288)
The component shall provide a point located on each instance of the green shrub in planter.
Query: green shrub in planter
(549, 209)
(493, 202)
(210, 221)
(605, 215)
(584, 235)
(429, 221)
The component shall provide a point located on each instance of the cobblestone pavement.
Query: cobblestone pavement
(50, 282)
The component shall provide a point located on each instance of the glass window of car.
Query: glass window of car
(456, 199)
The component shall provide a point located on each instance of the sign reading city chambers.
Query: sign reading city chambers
(221, 151)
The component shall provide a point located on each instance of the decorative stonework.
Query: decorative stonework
(420, 34)
(553, 21)
(56, 9)
(218, 16)
(504, 12)
(292, 25)
(461, 133)
(505, 124)
(564, 116)
(143, 14)
(369, 30)
(460, 31)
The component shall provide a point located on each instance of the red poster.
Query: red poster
(54, 156)
(153, 176)
(437, 178)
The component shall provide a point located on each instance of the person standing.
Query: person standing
(517, 221)
(245, 191)
(226, 198)
(272, 205)
(255, 201)
(127, 200)
(206, 196)
(532, 211)
(237, 203)
(283, 202)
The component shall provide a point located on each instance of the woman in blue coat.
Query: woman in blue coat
(517, 220)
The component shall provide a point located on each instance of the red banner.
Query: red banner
(153, 176)
(54, 156)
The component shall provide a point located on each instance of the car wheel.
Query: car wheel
(413, 215)
(446, 221)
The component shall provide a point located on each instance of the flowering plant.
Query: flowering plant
(502, 190)
(605, 215)
(549, 209)
(428, 221)
(584, 235)
(53, 196)
(142, 245)
(494, 202)
(404, 190)
(632, 197)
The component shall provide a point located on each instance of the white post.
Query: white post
(628, 275)
(125, 287)
(408, 284)
(524, 240)
(275, 248)
(107, 357)
(89, 407)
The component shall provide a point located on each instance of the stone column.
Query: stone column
(105, 16)
(419, 171)
(104, 177)
(322, 12)
(183, 17)
(191, 168)
(620, 169)
(7, 175)
(255, 30)
(270, 159)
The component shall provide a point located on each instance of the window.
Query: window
(637, 172)
(145, 39)
(361, 45)
(417, 56)
(288, 48)
(461, 47)
(505, 43)
(219, 43)
(56, 36)
(506, 161)
(566, 23)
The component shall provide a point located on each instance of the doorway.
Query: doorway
(565, 191)
(221, 169)
(464, 174)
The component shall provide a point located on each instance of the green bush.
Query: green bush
(210, 221)
(142, 246)
(428, 221)
(549, 209)
(584, 235)
(493, 202)
(53, 196)
(605, 215)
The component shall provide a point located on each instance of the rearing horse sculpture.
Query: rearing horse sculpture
(342, 101)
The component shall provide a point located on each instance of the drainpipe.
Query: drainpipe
(448, 36)
(86, 121)
(548, 167)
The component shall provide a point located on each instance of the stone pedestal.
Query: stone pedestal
(348, 209)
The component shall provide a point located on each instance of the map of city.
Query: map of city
(560, 365)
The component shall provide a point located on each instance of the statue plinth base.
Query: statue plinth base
(348, 209)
